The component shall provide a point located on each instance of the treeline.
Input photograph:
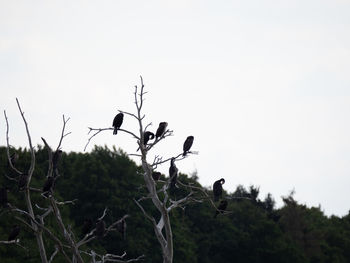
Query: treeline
(252, 229)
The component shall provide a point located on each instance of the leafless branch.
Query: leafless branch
(9, 242)
(11, 178)
(149, 124)
(63, 134)
(167, 133)
(47, 212)
(144, 212)
(157, 227)
(111, 227)
(128, 113)
(25, 223)
(49, 151)
(38, 234)
(8, 146)
(134, 154)
(111, 257)
(65, 232)
(104, 214)
(40, 225)
(89, 237)
(160, 160)
(16, 242)
(67, 202)
(35, 189)
(32, 163)
(54, 253)
(99, 130)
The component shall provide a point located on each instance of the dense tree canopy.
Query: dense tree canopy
(252, 230)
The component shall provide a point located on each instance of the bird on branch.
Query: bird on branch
(221, 208)
(217, 189)
(14, 233)
(48, 186)
(100, 228)
(117, 122)
(156, 175)
(147, 136)
(187, 145)
(173, 173)
(161, 129)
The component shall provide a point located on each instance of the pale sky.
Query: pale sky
(263, 86)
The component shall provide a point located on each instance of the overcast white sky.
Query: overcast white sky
(263, 86)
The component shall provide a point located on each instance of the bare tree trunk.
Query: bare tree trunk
(165, 204)
(167, 246)
(36, 222)
(37, 231)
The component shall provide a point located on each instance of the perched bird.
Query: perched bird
(87, 226)
(221, 208)
(3, 197)
(173, 173)
(161, 129)
(117, 122)
(187, 144)
(56, 158)
(121, 226)
(147, 136)
(14, 233)
(217, 189)
(100, 228)
(22, 181)
(48, 186)
(156, 175)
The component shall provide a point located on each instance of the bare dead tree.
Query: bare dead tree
(37, 231)
(65, 243)
(157, 191)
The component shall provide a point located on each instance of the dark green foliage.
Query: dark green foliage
(252, 231)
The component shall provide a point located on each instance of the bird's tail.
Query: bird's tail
(115, 131)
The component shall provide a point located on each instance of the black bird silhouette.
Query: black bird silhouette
(87, 226)
(156, 175)
(147, 136)
(3, 197)
(217, 189)
(14, 233)
(187, 144)
(48, 186)
(221, 208)
(161, 129)
(100, 228)
(22, 181)
(173, 173)
(117, 122)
